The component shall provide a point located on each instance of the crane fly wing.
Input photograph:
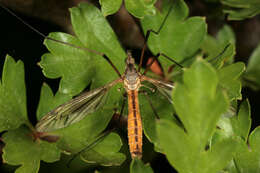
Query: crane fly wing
(72, 111)
(75, 109)
(165, 88)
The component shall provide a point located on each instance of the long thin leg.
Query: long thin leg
(179, 64)
(91, 145)
(62, 42)
(156, 58)
(221, 53)
(150, 103)
(101, 136)
(122, 110)
(111, 63)
(148, 34)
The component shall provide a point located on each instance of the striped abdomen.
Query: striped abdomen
(134, 125)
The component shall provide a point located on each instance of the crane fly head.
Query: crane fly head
(131, 76)
(130, 61)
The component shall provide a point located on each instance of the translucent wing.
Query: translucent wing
(165, 88)
(74, 110)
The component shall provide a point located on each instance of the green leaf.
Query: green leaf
(229, 79)
(22, 149)
(215, 46)
(212, 160)
(235, 126)
(252, 75)
(176, 38)
(241, 9)
(199, 105)
(93, 32)
(77, 68)
(218, 156)
(226, 35)
(242, 122)
(137, 166)
(140, 8)
(163, 109)
(109, 7)
(199, 94)
(59, 64)
(175, 150)
(105, 152)
(12, 95)
(223, 131)
(247, 158)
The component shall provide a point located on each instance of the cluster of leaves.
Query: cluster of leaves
(240, 9)
(205, 96)
(236, 9)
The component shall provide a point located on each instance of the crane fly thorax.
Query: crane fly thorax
(132, 82)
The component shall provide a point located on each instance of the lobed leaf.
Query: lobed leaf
(229, 79)
(93, 32)
(242, 122)
(241, 9)
(79, 67)
(67, 62)
(218, 156)
(22, 149)
(106, 152)
(216, 48)
(176, 38)
(12, 95)
(199, 94)
(199, 104)
(237, 126)
(168, 133)
(247, 158)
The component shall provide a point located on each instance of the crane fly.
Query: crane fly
(76, 109)
(88, 102)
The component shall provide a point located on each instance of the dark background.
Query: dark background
(47, 16)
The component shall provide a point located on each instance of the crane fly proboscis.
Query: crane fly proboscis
(88, 102)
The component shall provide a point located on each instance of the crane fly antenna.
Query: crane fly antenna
(59, 41)
(148, 34)
(45, 36)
